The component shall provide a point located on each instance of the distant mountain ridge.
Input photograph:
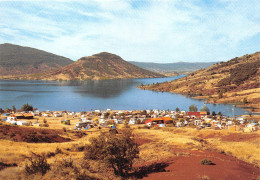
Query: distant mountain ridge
(98, 66)
(178, 67)
(19, 60)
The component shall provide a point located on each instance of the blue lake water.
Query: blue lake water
(99, 94)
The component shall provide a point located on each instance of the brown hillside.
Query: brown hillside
(19, 60)
(99, 66)
(235, 81)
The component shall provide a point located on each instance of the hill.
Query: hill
(179, 67)
(235, 81)
(98, 66)
(19, 60)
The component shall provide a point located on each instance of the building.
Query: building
(156, 121)
(194, 115)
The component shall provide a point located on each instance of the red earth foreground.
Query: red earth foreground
(188, 167)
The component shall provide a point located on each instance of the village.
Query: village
(182, 138)
(144, 118)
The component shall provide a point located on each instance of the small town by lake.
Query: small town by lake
(121, 94)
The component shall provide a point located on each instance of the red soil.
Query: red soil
(189, 167)
(141, 141)
(31, 135)
(240, 137)
(237, 137)
(212, 135)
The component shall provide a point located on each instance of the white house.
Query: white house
(22, 123)
(57, 115)
(131, 121)
(10, 119)
(45, 115)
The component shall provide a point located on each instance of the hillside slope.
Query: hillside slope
(235, 81)
(19, 60)
(178, 67)
(98, 66)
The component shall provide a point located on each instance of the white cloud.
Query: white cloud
(163, 31)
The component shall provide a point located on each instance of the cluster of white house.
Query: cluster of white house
(159, 118)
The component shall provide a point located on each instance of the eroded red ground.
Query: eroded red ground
(31, 135)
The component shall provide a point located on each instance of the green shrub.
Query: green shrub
(206, 162)
(115, 151)
(27, 107)
(45, 125)
(67, 163)
(37, 164)
(58, 150)
(193, 108)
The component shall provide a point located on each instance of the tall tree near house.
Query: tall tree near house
(205, 108)
(14, 109)
(27, 107)
(193, 108)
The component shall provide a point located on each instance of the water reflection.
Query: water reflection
(102, 88)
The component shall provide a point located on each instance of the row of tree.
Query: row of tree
(25, 107)
(193, 108)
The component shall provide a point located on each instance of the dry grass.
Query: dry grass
(164, 143)
(186, 138)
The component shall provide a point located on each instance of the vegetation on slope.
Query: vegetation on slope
(18, 60)
(235, 81)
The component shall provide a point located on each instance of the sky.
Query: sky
(137, 30)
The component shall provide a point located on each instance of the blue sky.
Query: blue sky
(147, 31)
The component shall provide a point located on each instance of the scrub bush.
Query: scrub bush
(37, 164)
(115, 151)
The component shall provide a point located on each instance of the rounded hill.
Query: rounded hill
(98, 66)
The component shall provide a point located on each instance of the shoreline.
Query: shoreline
(248, 108)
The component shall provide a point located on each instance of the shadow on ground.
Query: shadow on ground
(143, 171)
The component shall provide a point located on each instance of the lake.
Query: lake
(89, 95)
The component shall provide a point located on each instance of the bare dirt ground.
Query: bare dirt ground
(189, 167)
(181, 161)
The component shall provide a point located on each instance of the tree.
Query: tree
(205, 108)
(27, 107)
(220, 95)
(245, 100)
(177, 109)
(116, 151)
(193, 108)
(14, 109)
(213, 113)
(219, 113)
